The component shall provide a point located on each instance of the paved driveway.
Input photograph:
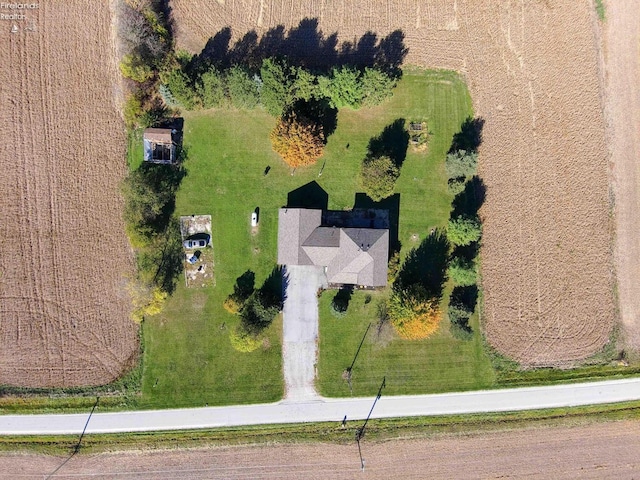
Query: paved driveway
(300, 330)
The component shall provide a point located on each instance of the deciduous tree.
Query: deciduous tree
(298, 140)
(412, 315)
(277, 86)
(378, 177)
(377, 86)
(243, 90)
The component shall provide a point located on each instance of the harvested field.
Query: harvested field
(64, 257)
(533, 72)
(600, 451)
(622, 40)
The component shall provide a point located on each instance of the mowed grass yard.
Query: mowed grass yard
(188, 358)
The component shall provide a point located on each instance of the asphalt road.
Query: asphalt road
(328, 409)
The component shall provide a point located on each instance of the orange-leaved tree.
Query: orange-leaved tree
(298, 140)
(413, 315)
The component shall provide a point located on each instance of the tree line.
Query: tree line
(277, 85)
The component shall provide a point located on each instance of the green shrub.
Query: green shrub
(463, 272)
(459, 326)
(461, 164)
(181, 88)
(133, 66)
(463, 230)
(243, 90)
(393, 268)
(377, 86)
(456, 185)
(340, 302)
(166, 95)
(600, 10)
(146, 302)
(256, 314)
(244, 341)
(211, 88)
(378, 177)
(133, 109)
(305, 85)
(277, 86)
(345, 88)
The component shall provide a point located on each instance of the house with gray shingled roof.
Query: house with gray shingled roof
(351, 255)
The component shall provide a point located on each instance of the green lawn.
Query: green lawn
(188, 357)
(437, 364)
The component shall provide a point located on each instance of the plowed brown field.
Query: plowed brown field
(533, 71)
(600, 451)
(64, 308)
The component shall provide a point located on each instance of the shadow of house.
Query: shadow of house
(311, 195)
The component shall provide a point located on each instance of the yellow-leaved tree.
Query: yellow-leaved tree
(298, 140)
(414, 315)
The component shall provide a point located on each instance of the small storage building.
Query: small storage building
(159, 145)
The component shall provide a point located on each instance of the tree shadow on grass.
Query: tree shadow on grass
(320, 112)
(392, 142)
(155, 187)
(244, 286)
(469, 201)
(466, 252)
(168, 254)
(469, 137)
(426, 266)
(273, 289)
(465, 297)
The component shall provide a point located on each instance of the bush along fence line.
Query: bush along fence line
(145, 49)
(464, 229)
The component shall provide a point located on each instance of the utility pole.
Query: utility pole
(360, 431)
(356, 356)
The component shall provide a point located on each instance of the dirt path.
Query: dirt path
(64, 307)
(600, 451)
(533, 71)
(622, 56)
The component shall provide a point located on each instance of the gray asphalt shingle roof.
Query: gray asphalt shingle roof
(355, 256)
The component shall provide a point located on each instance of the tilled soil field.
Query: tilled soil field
(64, 257)
(533, 71)
(622, 35)
(604, 451)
